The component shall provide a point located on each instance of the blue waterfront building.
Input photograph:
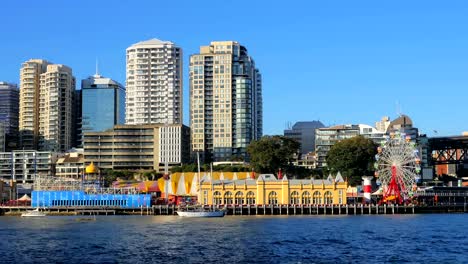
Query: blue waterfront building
(82, 199)
(103, 104)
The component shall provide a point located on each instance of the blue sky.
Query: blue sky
(336, 61)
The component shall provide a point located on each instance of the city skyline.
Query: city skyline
(387, 55)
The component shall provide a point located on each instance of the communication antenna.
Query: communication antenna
(97, 67)
(398, 108)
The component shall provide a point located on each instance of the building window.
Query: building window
(294, 198)
(340, 196)
(239, 198)
(306, 197)
(272, 198)
(217, 199)
(228, 198)
(205, 197)
(317, 198)
(328, 198)
(250, 197)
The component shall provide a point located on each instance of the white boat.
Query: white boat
(201, 212)
(219, 213)
(33, 213)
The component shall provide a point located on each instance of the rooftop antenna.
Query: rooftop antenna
(97, 67)
(398, 108)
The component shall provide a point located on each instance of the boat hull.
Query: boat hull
(33, 214)
(201, 214)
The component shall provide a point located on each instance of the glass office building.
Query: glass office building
(9, 114)
(103, 103)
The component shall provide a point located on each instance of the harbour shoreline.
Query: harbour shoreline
(349, 209)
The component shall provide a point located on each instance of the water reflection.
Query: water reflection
(248, 239)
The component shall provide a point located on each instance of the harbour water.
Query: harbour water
(434, 238)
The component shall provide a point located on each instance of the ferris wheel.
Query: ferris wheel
(397, 167)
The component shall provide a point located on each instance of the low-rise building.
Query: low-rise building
(269, 190)
(138, 147)
(70, 165)
(326, 137)
(23, 166)
(308, 161)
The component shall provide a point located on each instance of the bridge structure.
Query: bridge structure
(449, 150)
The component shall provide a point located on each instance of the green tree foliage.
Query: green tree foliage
(206, 167)
(352, 157)
(152, 175)
(112, 175)
(270, 153)
(184, 168)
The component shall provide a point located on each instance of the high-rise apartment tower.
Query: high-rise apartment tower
(154, 83)
(46, 106)
(225, 101)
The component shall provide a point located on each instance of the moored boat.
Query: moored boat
(200, 211)
(33, 213)
(219, 213)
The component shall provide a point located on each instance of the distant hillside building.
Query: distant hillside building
(326, 137)
(304, 133)
(404, 125)
(383, 124)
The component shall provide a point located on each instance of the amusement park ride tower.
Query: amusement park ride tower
(397, 166)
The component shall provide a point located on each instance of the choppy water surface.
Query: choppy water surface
(236, 239)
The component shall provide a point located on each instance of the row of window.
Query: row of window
(89, 202)
(295, 198)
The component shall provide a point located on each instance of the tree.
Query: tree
(270, 153)
(352, 157)
(113, 175)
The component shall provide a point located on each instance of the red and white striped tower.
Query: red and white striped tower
(367, 187)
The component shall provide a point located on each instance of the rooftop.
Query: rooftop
(152, 42)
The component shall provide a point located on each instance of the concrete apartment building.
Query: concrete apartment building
(9, 114)
(23, 166)
(46, 106)
(154, 83)
(138, 147)
(225, 101)
(326, 137)
(30, 83)
(56, 108)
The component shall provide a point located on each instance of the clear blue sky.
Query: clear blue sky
(336, 61)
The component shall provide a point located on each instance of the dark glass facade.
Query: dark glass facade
(103, 104)
(9, 113)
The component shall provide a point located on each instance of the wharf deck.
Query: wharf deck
(348, 209)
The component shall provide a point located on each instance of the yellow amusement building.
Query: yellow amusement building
(268, 190)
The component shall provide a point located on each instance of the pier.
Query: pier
(348, 209)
